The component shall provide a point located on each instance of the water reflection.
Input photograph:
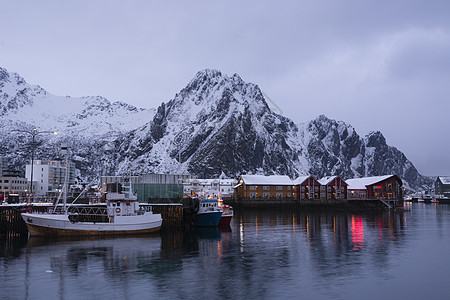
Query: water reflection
(263, 254)
(328, 244)
(357, 233)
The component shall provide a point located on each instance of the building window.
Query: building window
(265, 187)
(253, 187)
(279, 195)
(289, 188)
(266, 195)
(279, 188)
(303, 188)
(289, 194)
(316, 188)
(252, 195)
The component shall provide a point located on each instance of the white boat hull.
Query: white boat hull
(59, 225)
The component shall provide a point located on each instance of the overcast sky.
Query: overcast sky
(377, 65)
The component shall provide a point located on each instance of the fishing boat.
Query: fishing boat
(442, 199)
(426, 198)
(209, 213)
(227, 214)
(122, 215)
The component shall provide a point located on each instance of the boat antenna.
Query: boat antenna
(65, 151)
(130, 193)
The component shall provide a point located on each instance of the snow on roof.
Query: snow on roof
(445, 179)
(326, 180)
(361, 183)
(267, 180)
(209, 181)
(301, 179)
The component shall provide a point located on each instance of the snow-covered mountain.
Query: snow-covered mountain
(26, 106)
(216, 124)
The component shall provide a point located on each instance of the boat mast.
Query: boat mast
(65, 151)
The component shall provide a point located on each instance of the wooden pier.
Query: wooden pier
(11, 222)
(171, 213)
(315, 203)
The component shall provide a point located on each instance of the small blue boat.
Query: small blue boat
(208, 214)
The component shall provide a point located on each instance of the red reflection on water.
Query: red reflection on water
(380, 228)
(357, 233)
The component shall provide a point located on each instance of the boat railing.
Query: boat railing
(85, 210)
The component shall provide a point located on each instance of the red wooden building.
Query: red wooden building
(387, 187)
(307, 188)
(333, 187)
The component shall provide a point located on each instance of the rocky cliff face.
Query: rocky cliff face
(216, 124)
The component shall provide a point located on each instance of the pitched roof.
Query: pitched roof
(326, 180)
(301, 179)
(361, 183)
(445, 179)
(267, 180)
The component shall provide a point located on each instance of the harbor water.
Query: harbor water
(263, 254)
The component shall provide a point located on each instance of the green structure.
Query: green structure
(152, 188)
(153, 192)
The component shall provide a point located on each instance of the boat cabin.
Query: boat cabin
(120, 201)
(209, 203)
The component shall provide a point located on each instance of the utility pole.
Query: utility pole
(33, 134)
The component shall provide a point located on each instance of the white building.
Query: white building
(222, 188)
(49, 176)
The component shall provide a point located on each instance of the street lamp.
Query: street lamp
(33, 133)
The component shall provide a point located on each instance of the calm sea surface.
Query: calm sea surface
(264, 254)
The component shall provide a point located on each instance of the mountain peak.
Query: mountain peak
(208, 73)
(375, 139)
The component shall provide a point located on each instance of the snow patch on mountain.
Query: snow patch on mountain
(21, 103)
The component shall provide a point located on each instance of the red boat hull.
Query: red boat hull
(225, 220)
